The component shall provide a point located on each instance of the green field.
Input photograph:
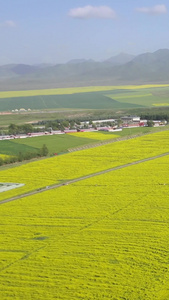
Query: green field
(146, 97)
(9, 147)
(116, 98)
(105, 237)
(94, 100)
(55, 144)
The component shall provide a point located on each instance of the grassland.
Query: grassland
(102, 238)
(44, 115)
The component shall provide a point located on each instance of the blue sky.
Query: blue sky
(56, 31)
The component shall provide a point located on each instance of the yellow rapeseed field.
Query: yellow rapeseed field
(95, 135)
(3, 156)
(161, 104)
(53, 170)
(68, 91)
(102, 238)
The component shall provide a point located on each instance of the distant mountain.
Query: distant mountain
(44, 65)
(120, 59)
(121, 69)
(79, 61)
(22, 69)
(6, 72)
(151, 67)
(15, 70)
(159, 56)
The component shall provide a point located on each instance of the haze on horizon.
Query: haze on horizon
(52, 31)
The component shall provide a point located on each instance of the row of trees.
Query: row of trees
(55, 125)
(24, 156)
(60, 125)
(155, 116)
(69, 121)
(19, 129)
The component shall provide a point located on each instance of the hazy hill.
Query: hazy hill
(121, 69)
(120, 59)
(22, 69)
(79, 61)
(150, 67)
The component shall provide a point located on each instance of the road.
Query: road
(47, 188)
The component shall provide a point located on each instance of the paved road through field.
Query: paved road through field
(81, 178)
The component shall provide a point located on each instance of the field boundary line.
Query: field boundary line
(108, 141)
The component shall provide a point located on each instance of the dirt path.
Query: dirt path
(81, 178)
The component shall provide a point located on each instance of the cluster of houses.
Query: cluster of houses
(123, 122)
(110, 125)
(135, 121)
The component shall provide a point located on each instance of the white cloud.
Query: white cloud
(89, 12)
(155, 10)
(8, 24)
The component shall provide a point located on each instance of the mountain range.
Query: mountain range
(122, 69)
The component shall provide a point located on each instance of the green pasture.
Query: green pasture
(55, 144)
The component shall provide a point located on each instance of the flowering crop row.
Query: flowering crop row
(102, 238)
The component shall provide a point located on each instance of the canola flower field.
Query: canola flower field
(54, 170)
(3, 156)
(102, 238)
(69, 91)
(95, 135)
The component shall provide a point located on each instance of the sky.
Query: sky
(57, 31)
